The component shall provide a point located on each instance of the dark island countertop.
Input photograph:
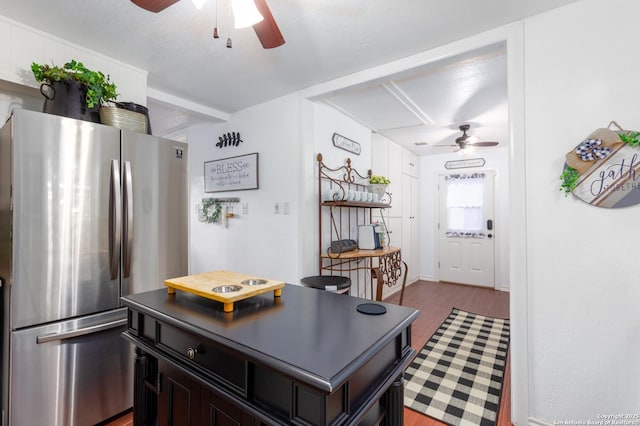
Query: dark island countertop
(314, 336)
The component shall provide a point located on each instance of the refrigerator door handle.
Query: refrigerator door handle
(115, 220)
(51, 337)
(128, 217)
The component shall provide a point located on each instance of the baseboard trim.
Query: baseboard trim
(425, 278)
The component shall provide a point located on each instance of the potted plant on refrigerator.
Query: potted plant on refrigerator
(74, 90)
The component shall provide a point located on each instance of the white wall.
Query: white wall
(581, 71)
(329, 121)
(432, 166)
(260, 242)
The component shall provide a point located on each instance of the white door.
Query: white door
(466, 228)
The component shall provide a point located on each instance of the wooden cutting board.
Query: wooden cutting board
(224, 286)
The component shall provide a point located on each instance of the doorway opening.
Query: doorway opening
(507, 159)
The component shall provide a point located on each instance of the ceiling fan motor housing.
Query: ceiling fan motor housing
(464, 137)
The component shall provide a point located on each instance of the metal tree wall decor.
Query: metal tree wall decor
(229, 139)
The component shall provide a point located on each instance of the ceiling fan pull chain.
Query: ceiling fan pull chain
(215, 28)
(229, 43)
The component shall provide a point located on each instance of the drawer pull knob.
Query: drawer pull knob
(191, 353)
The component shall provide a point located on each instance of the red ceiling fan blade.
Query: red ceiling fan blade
(154, 5)
(267, 30)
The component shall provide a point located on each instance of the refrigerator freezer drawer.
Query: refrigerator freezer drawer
(76, 372)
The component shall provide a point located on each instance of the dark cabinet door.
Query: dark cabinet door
(183, 401)
(217, 411)
(179, 400)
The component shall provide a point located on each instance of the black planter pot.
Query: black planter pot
(68, 99)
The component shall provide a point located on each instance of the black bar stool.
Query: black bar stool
(333, 283)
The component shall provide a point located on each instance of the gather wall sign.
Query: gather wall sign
(604, 169)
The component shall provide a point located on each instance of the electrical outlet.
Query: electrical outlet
(277, 208)
(285, 207)
(245, 208)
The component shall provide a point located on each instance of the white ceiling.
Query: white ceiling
(427, 105)
(325, 39)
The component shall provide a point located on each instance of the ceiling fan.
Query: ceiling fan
(267, 30)
(464, 141)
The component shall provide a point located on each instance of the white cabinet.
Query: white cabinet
(386, 160)
(379, 156)
(401, 167)
(409, 163)
(410, 232)
(395, 176)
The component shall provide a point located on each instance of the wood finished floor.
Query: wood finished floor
(435, 301)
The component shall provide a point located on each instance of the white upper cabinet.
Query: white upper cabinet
(395, 176)
(379, 156)
(409, 163)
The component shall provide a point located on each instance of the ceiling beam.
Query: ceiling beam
(407, 102)
(188, 105)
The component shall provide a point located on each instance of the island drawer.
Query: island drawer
(217, 362)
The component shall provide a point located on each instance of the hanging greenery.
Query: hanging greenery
(569, 178)
(630, 138)
(211, 209)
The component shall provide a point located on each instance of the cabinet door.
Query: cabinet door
(395, 175)
(409, 163)
(386, 160)
(179, 398)
(379, 155)
(410, 226)
(217, 411)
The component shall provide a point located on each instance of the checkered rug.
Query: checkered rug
(457, 376)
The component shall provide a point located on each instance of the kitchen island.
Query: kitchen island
(307, 357)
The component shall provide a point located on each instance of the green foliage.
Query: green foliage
(211, 209)
(569, 178)
(630, 138)
(379, 180)
(99, 88)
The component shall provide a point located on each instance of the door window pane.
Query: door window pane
(465, 195)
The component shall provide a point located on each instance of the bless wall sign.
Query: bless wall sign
(231, 174)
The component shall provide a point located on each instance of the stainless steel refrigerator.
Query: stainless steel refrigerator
(87, 213)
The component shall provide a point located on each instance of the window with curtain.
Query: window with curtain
(465, 197)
